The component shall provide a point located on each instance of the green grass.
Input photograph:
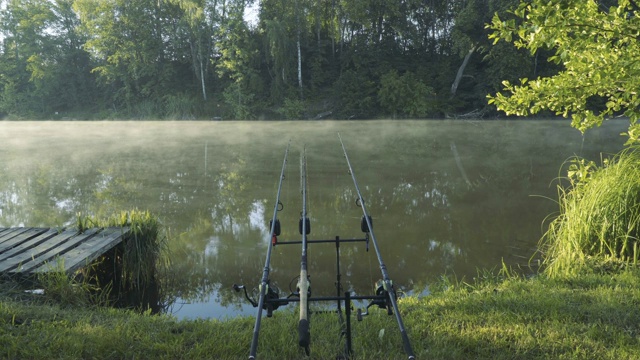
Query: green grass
(599, 215)
(592, 316)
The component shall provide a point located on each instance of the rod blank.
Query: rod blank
(387, 283)
(304, 335)
(264, 283)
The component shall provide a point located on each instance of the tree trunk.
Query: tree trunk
(204, 88)
(299, 52)
(299, 67)
(454, 86)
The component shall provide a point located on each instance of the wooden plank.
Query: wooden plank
(4, 230)
(86, 252)
(27, 256)
(41, 253)
(12, 232)
(28, 244)
(18, 239)
(60, 248)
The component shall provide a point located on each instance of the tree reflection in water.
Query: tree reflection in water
(210, 184)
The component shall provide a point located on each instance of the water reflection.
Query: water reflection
(446, 197)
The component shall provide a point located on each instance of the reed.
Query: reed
(599, 216)
(132, 267)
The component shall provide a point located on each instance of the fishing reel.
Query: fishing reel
(382, 300)
(272, 299)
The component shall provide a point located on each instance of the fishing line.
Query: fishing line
(370, 272)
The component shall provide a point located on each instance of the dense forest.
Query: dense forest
(245, 59)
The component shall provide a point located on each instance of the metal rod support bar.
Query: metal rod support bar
(327, 298)
(320, 241)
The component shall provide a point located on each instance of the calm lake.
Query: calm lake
(447, 197)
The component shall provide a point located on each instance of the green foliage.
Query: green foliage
(179, 106)
(597, 49)
(144, 110)
(148, 59)
(237, 62)
(280, 56)
(599, 215)
(357, 95)
(404, 95)
(127, 39)
(239, 101)
(292, 109)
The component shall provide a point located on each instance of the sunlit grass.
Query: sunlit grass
(599, 215)
(592, 316)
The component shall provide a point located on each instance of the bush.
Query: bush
(292, 109)
(179, 107)
(356, 94)
(405, 95)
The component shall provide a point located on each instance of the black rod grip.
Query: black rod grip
(407, 345)
(304, 337)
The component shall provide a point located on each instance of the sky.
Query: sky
(251, 14)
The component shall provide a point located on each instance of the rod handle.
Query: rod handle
(304, 336)
(407, 346)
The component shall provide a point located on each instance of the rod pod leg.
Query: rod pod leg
(347, 309)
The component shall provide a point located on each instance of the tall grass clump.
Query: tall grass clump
(599, 215)
(179, 107)
(134, 265)
(142, 247)
(77, 290)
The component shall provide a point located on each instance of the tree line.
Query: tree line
(291, 59)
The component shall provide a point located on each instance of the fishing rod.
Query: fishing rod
(304, 290)
(264, 283)
(387, 284)
(270, 300)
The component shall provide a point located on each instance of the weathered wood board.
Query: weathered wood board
(34, 250)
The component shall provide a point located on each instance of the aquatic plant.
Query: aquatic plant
(59, 288)
(133, 265)
(599, 215)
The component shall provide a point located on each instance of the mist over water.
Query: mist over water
(447, 197)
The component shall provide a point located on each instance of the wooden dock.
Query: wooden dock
(28, 251)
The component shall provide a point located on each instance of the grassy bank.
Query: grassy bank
(590, 316)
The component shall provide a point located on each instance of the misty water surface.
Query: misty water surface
(447, 197)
